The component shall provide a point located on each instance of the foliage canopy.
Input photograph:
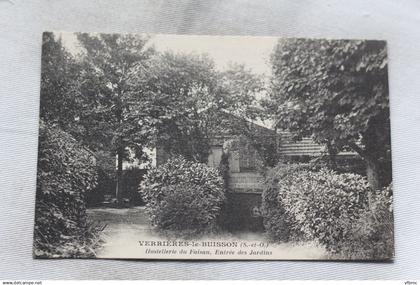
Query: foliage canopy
(335, 91)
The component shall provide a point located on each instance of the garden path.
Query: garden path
(125, 227)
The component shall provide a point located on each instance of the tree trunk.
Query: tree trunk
(377, 149)
(372, 173)
(119, 189)
(372, 167)
(120, 153)
(332, 155)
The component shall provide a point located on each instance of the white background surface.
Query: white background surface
(21, 25)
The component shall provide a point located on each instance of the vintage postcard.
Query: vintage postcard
(213, 147)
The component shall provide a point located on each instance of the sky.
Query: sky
(253, 52)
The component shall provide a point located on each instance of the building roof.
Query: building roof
(288, 146)
(304, 146)
(228, 124)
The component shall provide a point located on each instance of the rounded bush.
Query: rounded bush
(339, 211)
(181, 195)
(323, 204)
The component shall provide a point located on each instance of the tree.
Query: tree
(193, 96)
(182, 86)
(243, 91)
(59, 102)
(337, 92)
(115, 115)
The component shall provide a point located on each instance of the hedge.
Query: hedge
(372, 235)
(277, 223)
(339, 211)
(183, 196)
(66, 171)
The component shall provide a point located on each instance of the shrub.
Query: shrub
(183, 196)
(131, 179)
(276, 222)
(323, 204)
(66, 171)
(333, 209)
(105, 165)
(373, 234)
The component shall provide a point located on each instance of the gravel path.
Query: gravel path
(126, 227)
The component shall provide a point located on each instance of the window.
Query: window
(214, 157)
(248, 158)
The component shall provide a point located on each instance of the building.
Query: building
(246, 160)
(247, 157)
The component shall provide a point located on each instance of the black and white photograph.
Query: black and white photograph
(166, 146)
